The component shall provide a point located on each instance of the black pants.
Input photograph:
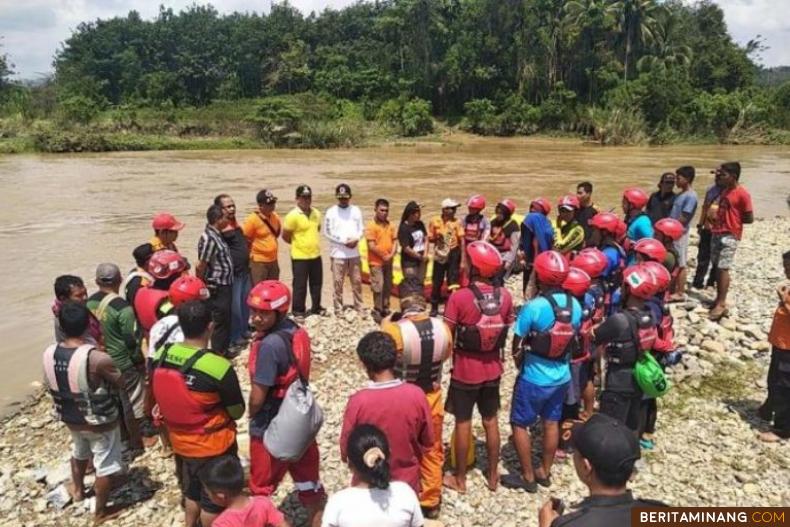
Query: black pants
(623, 406)
(304, 272)
(648, 415)
(776, 407)
(451, 268)
(703, 261)
(221, 300)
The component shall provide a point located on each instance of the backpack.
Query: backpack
(489, 334)
(557, 341)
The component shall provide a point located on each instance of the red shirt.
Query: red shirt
(401, 411)
(733, 204)
(259, 512)
(461, 309)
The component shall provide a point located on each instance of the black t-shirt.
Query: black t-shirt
(239, 249)
(659, 207)
(604, 511)
(583, 216)
(415, 237)
(619, 328)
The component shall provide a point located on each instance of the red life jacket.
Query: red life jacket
(179, 408)
(473, 227)
(665, 341)
(146, 306)
(489, 334)
(298, 342)
(557, 341)
(500, 236)
(583, 351)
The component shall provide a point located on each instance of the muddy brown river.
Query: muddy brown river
(67, 213)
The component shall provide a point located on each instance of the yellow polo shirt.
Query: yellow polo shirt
(305, 237)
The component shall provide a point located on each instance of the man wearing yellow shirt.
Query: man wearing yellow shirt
(301, 229)
(166, 228)
(262, 228)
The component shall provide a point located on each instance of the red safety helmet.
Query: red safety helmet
(478, 201)
(165, 264)
(636, 197)
(569, 201)
(620, 229)
(551, 268)
(485, 258)
(187, 288)
(592, 261)
(605, 221)
(577, 282)
(640, 281)
(509, 205)
(661, 273)
(270, 295)
(542, 204)
(670, 227)
(651, 249)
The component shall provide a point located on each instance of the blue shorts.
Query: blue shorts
(531, 401)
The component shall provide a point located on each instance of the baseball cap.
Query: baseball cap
(606, 443)
(342, 191)
(449, 203)
(303, 191)
(108, 273)
(266, 197)
(164, 221)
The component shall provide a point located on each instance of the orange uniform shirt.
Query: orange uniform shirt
(780, 329)
(383, 235)
(263, 241)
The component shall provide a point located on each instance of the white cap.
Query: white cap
(449, 203)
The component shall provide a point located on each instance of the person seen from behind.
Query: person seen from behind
(138, 277)
(446, 234)
(382, 243)
(638, 223)
(262, 228)
(537, 236)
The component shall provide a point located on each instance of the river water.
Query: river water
(67, 213)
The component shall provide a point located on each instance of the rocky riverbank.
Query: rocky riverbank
(706, 452)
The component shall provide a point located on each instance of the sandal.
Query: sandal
(516, 481)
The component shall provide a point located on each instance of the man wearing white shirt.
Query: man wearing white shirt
(343, 228)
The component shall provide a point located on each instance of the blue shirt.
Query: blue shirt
(613, 257)
(685, 203)
(640, 227)
(536, 226)
(538, 316)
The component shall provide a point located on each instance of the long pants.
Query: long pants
(776, 407)
(266, 473)
(239, 311)
(305, 271)
(433, 459)
(381, 285)
(648, 415)
(351, 267)
(703, 261)
(221, 300)
(623, 406)
(451, 269)
(260, 271)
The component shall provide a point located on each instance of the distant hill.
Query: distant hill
(773, 76)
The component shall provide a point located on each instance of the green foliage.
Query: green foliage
(781, 102)
(409, 118)
(274, 119)
(79, 109)
(480, 117)
(617, 126)
(518, 117)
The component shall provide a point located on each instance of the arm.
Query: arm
(287, 236)
(200, 270)
(288, 228)
(206, 250)
(258, 394)
(128, 322)
(748, 217)
(349, 421)
(230, 393)
(329, 231)
(248, 229)
(510, 256)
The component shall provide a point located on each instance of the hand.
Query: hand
(547, 514)
(351, 244)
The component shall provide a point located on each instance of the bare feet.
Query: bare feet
(77, 495)
(451, 482)
(768, 437)
(110, 513)
(492, 481)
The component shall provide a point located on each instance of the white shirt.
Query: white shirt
(397, 506)
(158, 331)
(343, 225)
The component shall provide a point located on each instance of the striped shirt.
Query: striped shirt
(214, 250)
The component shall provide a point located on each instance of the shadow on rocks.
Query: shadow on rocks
(136, 487)
(748, 411)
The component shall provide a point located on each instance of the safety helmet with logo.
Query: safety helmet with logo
(651, 249)
(551, 268)
(577, 282)
(640, 281)
(569, 202)
(541, 204)
(509, 205)
(592, 261)
(270, 295)
(186, 289)
(661, 274)
(478, 201)
(485, 258)
(670, 227)
(636, 197)
(165, 264)
(605, 221)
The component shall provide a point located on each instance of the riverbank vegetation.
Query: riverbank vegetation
(611, 71)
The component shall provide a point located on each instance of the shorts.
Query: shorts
(682, 248)
(462, 398)
(188, 472)
(134, 385)
(103, 447)
(531, 401)
(722, 250)
(581, 374)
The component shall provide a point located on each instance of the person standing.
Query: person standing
(660, 203)
(505, 235)
(240, 256)
(343, 227)
(413, 241)
(215, 268)
(537, 236)
(638, 223)
(262, 228)
(710, 207)
(568, 234)
(71, 288)
(166, 228)
(446, 234)
(301, 228)
(586, 208)
(735, 210)
(382, 246)
(683, 210)
(138, 277)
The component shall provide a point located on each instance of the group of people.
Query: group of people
(148, 358)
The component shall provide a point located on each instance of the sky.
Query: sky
(33, 30)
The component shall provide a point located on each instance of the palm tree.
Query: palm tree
(638, 22)
(666, 53)
(589, 20)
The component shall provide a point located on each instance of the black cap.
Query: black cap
(142, 253)
(606, 443)
(303, 191)
(342, 191)
(265, 197)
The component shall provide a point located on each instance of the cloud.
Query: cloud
(27, 17)
(748, 18)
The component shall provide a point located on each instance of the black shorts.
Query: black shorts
(188, 472)
(462, 398)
